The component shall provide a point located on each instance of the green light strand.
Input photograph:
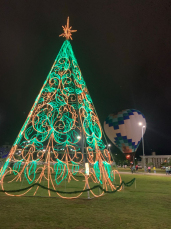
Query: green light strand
(16, 167)
(75, 167)
(60, 169)
(29, 170)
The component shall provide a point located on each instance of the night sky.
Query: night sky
(123, 48)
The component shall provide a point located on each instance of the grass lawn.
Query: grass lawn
(147, 206)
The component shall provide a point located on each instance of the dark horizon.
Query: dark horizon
(123, 49)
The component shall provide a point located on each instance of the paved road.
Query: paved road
(148, 174)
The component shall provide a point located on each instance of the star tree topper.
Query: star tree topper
(67, 31)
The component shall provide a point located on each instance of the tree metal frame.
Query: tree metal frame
(61, 133)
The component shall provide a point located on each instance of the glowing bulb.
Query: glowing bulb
(140, 123)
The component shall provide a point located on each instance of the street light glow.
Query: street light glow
(109, 145)
(143, 126)
(78, 137)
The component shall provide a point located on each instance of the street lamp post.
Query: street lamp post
(141, 124)
(108, 147)
(134, 160)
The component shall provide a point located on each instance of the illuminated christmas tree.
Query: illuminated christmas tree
(59, 150)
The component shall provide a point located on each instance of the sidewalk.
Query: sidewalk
(148, 174)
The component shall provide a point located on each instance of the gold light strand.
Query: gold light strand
(67, 31)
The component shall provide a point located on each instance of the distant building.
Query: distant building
(6, 146)
(157, 160)
(4, 150)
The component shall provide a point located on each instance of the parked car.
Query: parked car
(163, 167)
